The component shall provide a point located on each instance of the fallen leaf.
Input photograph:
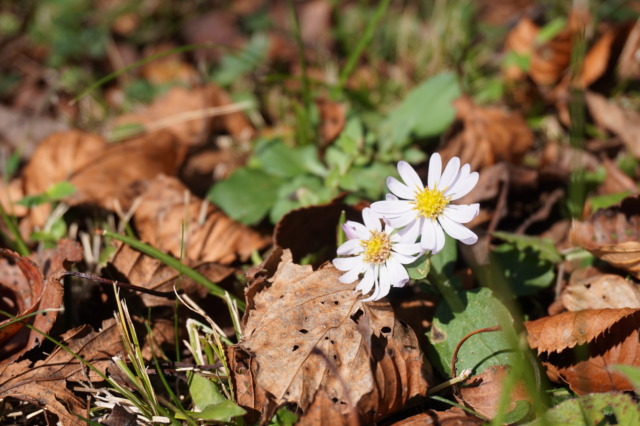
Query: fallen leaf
(579, 348)
(171, 219)
(599, 292)
(10, 194)
(613, 235)
(167, 69)
(628, 64)
(305, 331)
(323, 411)
(616, 180)
(332, 119)
(488, 136)
(451, 417)
(45, 382)
(55, 160)
(520, 41)
(190, 114)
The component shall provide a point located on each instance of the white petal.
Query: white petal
(409, 176)
(383, 285)
(463, 186)
(349, 263)
(411, 232)
(407, 249)
(371, 220)
(399, 275)
(461, 213)
(432, 237)
(457, 231)
(390, 197)
(402, 220)
(358, 230)
(400, 189)
(349, 277)
(391, 207)
(449, 175)
(367, 282)
(435, 170)
(403, 259)
(353, 246)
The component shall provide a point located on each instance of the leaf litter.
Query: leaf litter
(243, 161)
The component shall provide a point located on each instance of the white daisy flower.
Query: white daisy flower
(427, 210)
(377, 252)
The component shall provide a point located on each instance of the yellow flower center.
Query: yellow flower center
(430, 203)
(378, 248)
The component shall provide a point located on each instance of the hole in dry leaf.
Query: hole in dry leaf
(322, 302)
(44, 314)
(303, 331)
(326, 337)
(390, 352)
(333, 343)
(334, 399)
(335, 302)
(385, 330)
(355, 317)
(295, 348)
(335, 357)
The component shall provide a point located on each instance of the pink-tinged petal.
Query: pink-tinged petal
(371, 220)
(349, 277)
(461, 213)
(449, 175)
(457, 231)
(463, 186)
(391, 207)
(400, 189)
(411, 232)
(349, 263)
(435, 170)
(432, 237)
(413, 250)
(366, 283)
(399, 275)
(358, 230)
(350, 247)
(402, 220)
(390, 197)
(409, 176)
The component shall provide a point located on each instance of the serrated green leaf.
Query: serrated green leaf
(204, 392)
(481, 310)
(426, 111)
(247, 195)
(595, 409)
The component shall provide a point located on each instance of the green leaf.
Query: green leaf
(221, 412)
(233, 66)
(278, 159)
(371, 179)
(204, 392)
(481, 310)
(302, 191)
(56, 192)
(419, 268)
(632, 373)
(544, 246)
(247, 195)
(444, 262)
(426, 111)
(284, 417)
(525, 271)
(595, 409)
(551, 30)
(599, 202)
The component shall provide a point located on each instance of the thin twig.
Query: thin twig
(166, 294)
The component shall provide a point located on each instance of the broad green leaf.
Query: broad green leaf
(221, 412)
(551, 30)
(544, 246)
(426, 111)
(632, 373)
(56, 192)
(481, 310)
(372, 179)
(278, 159)
(247, 195)
(444, 262)
(304, 190)
(284, 417)
(419, 269)
(524, 269)
(204, 392)
(351, 137)
(599, 202)
(595, 409)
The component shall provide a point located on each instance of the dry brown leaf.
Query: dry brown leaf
(170, 218)
(129, 265)
(167, 69)
(615, 180)
(628, 64)
(323, 411)
(482, 393)
(39, 288)
(45, 382)
(11, 193)
(599, 292)
(520, 40)
(188, 114)
(56, 159)
(332, 119)
(451, 417)
(624, 123)
(110, 177)
(304, 330)
(613, 235)
(489, 135)
(579, 348)
(597, 59)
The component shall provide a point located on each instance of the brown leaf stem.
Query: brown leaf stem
(454, 358)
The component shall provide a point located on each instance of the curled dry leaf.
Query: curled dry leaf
(56, 159)
(44, 383)
(190, 114)
(482, 392)
(30, 291)
(599, 292)
(129, 265)
(489, 135)
(579, 348)
(304, 330)
(170, 218)
(613, 235)
(452, 417)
